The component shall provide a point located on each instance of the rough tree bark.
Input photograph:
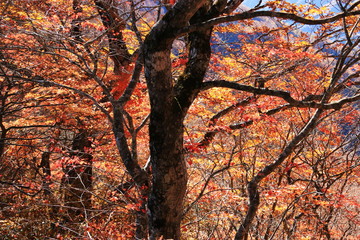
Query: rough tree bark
(166, 124)
(169, 104)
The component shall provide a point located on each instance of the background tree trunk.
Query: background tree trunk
(77, 180)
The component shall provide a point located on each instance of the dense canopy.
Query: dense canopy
(187, 119)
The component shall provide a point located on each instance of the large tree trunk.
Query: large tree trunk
(166, 145)
(169, 104)
(169, 176)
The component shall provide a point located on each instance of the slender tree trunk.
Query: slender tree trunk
(2, 128)
(45, 166)
(139, 175)
(77, 180)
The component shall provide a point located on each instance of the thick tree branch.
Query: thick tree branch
(251, 15)
(134, 78)
(189, 83)
(114, 23)
(282, 94)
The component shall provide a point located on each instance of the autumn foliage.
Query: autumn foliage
(179, 119)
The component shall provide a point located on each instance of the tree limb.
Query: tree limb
(250, 15)
(278, 93)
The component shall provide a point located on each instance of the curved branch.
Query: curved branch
(278, 93)
(134, 78)
(250, 15)
(138, 174)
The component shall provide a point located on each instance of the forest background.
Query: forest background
(188, 119)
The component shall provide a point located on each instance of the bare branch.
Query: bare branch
(251, 15)
(278, 93)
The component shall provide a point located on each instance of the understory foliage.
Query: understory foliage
(185, 119)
